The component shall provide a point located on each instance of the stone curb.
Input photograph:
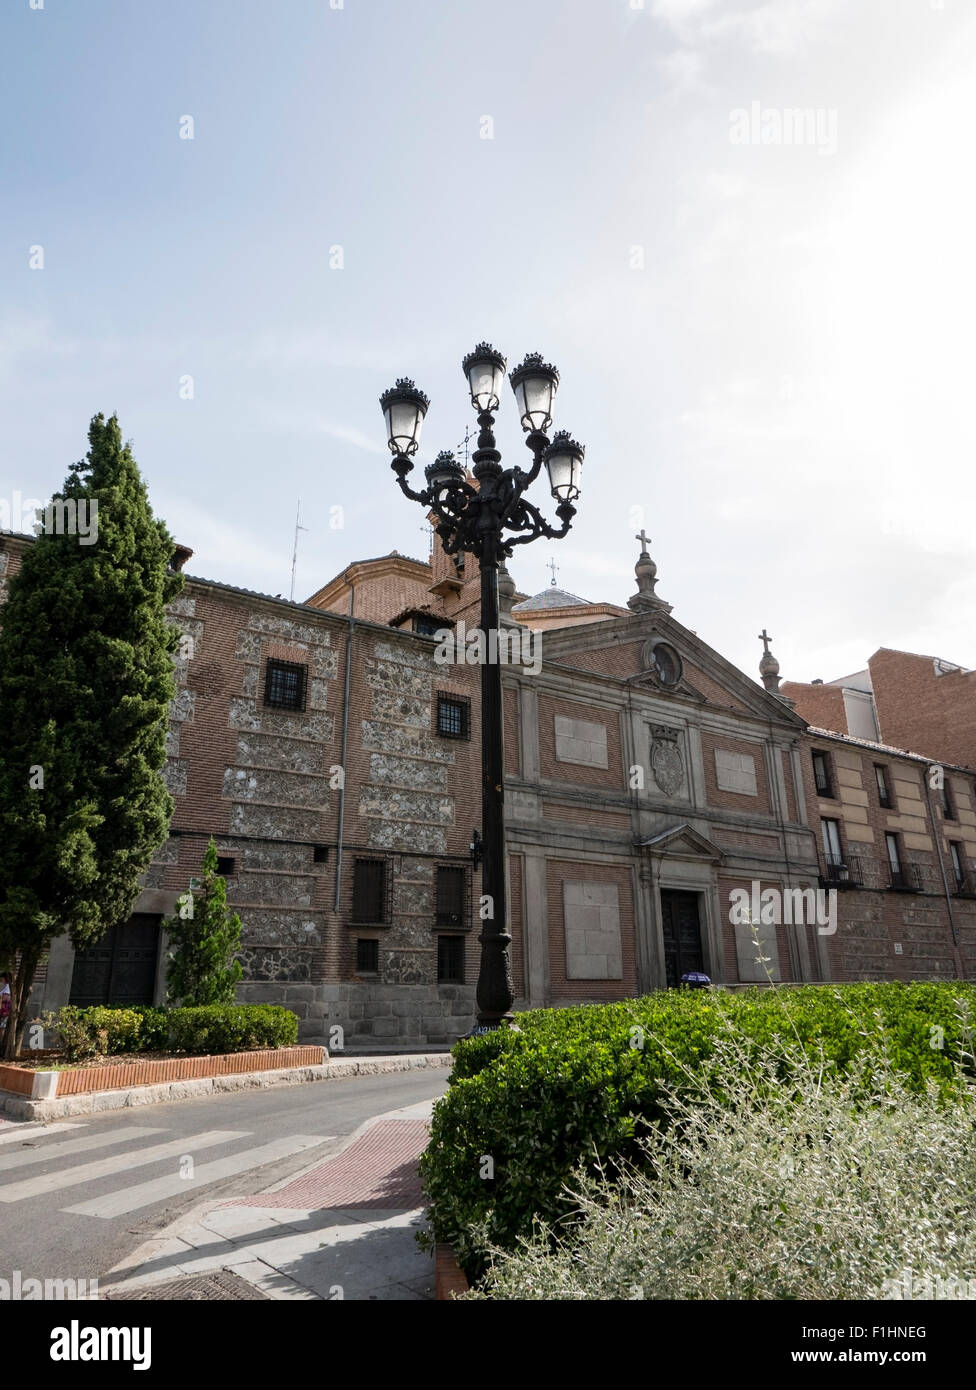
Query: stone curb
(94, 1102)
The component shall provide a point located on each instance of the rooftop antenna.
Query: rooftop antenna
(294, 554)
(463, 446)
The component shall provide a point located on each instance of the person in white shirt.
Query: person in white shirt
(5, 979)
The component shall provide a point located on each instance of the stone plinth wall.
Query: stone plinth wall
(371, 1013)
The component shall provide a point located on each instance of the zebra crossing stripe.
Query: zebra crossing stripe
(144, 1194)
(20, 1131)
(118, 1163)
(21, 1158)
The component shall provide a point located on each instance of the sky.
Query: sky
(744, 232)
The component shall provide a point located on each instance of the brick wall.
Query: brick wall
(564, 989)
(620, 659)
(516, 925)
(586, 815)
(820, 705)
(714, 693)
(919, 710)
(555, 769)
(791, 803)
(872, 918)
(513, 741)
(732, 800)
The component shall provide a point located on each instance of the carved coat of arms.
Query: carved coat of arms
(666, 765)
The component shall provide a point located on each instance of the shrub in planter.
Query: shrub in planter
(584, 1084)
(154, 1031)
(217, 1028)
(96, 1031)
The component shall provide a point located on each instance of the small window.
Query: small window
(958, 864)
(453, 717)
(830, 830)
(821, 773)
(884, 792)
(450, 897)
(367, 956)
(948, 804)
(369, 890)
(225, 865)
(284, 685)
(427, 627)
(450, 960)
(898, 877)
(320, 854)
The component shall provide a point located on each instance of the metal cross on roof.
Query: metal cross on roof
(765, 639)
(644, 540)
(552, 566)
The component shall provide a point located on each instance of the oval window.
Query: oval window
(667, 664)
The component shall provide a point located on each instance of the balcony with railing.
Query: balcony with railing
(841, 873)
(908, 878)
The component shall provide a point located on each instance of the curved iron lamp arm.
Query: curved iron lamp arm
(538, 526)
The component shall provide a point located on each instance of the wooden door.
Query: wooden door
(681, 925)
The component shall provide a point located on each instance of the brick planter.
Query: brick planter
(449, 1278)
(48, 1084)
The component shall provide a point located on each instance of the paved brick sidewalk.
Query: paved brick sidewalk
(378, 1170)
(344, 1229)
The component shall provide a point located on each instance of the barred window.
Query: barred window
(450, 960)
(284, 685)
(367, 956)
(453, 717)
(369, 890)
(450, 896)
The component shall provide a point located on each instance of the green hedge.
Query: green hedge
(579, 1084)
(231, 1028)
(217, 1028)
(153, 1029)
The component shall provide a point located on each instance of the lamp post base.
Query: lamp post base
(489, 1025)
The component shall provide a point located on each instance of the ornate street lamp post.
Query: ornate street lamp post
(476, 519)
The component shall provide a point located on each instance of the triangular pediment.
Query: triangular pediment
(648, 680)
(683, 842)
(623, 649)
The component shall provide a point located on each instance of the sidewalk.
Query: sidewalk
(342, 1229)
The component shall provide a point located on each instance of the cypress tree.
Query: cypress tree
(205, 936)
(86, 677)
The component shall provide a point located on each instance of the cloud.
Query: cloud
(679, 12)
(311, 424)
(684, 68)
(774, 27)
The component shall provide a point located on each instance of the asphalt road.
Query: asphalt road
(129, 1174)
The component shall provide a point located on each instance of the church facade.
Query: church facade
(665, 814)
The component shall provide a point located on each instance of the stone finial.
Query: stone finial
(506, 597)
(768, 665)
(646, 570)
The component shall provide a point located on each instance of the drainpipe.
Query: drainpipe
(345, 737)
(957, 957)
